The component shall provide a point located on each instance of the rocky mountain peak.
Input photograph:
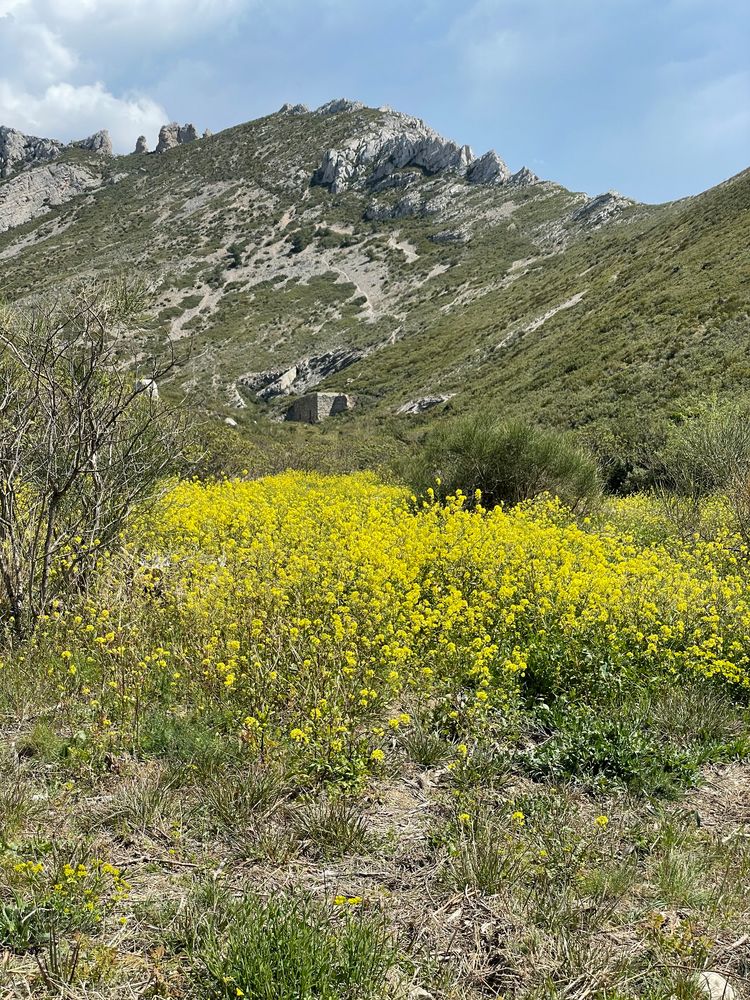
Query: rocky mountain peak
(398, 141)
(100, 142)
(339, 105)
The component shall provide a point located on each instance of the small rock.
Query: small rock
(148, 387)
(230, 421)
(425, 403)
(714, 986)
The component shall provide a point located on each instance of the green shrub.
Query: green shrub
(507, 461)
(609, 748)
(709, 455)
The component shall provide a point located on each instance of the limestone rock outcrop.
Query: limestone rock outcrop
(488, 169)
(32, 193)
(173, 135)
(100, 142)
(604, 208)
(148, 387)
(523, 177)
(301, 376)
(294, 109)
(339, 105)
(18, 150)
(416, 406)
(397, 143)
(141, 145)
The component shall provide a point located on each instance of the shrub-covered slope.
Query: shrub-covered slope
(408, 279)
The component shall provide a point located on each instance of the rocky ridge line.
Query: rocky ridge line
(19, 151)
(398, 142)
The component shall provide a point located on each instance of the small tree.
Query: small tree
(507, 461)
(83, 440)
(234, 255)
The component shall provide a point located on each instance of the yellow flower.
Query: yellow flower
(601, 821)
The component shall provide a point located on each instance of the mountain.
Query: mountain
(356, 250)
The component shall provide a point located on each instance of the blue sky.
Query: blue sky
(651, 98)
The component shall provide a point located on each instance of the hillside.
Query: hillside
(356, 249)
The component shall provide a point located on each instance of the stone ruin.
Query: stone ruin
(317, 406)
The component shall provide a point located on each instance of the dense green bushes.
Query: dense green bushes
(507, 461)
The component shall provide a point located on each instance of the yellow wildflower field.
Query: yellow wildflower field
(316, 612)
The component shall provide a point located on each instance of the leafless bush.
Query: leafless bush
(84, 438)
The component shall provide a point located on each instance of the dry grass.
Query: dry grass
(487, 904)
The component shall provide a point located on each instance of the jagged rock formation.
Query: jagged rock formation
(100, 142)
(598, 211)
(18, 150)
(207, 133)
(318, 406)
(523, 176)
(304, 374)
(175, 135)
(488, 169)
(32, 193)
(415, 406)
(399, 143)
(338, 106)
(294, 109)
(141, 145)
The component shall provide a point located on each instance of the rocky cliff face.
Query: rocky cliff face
(399, 142)
(33, 193)
(18, 150)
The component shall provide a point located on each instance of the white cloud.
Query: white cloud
(66, 111)
(55, 55)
